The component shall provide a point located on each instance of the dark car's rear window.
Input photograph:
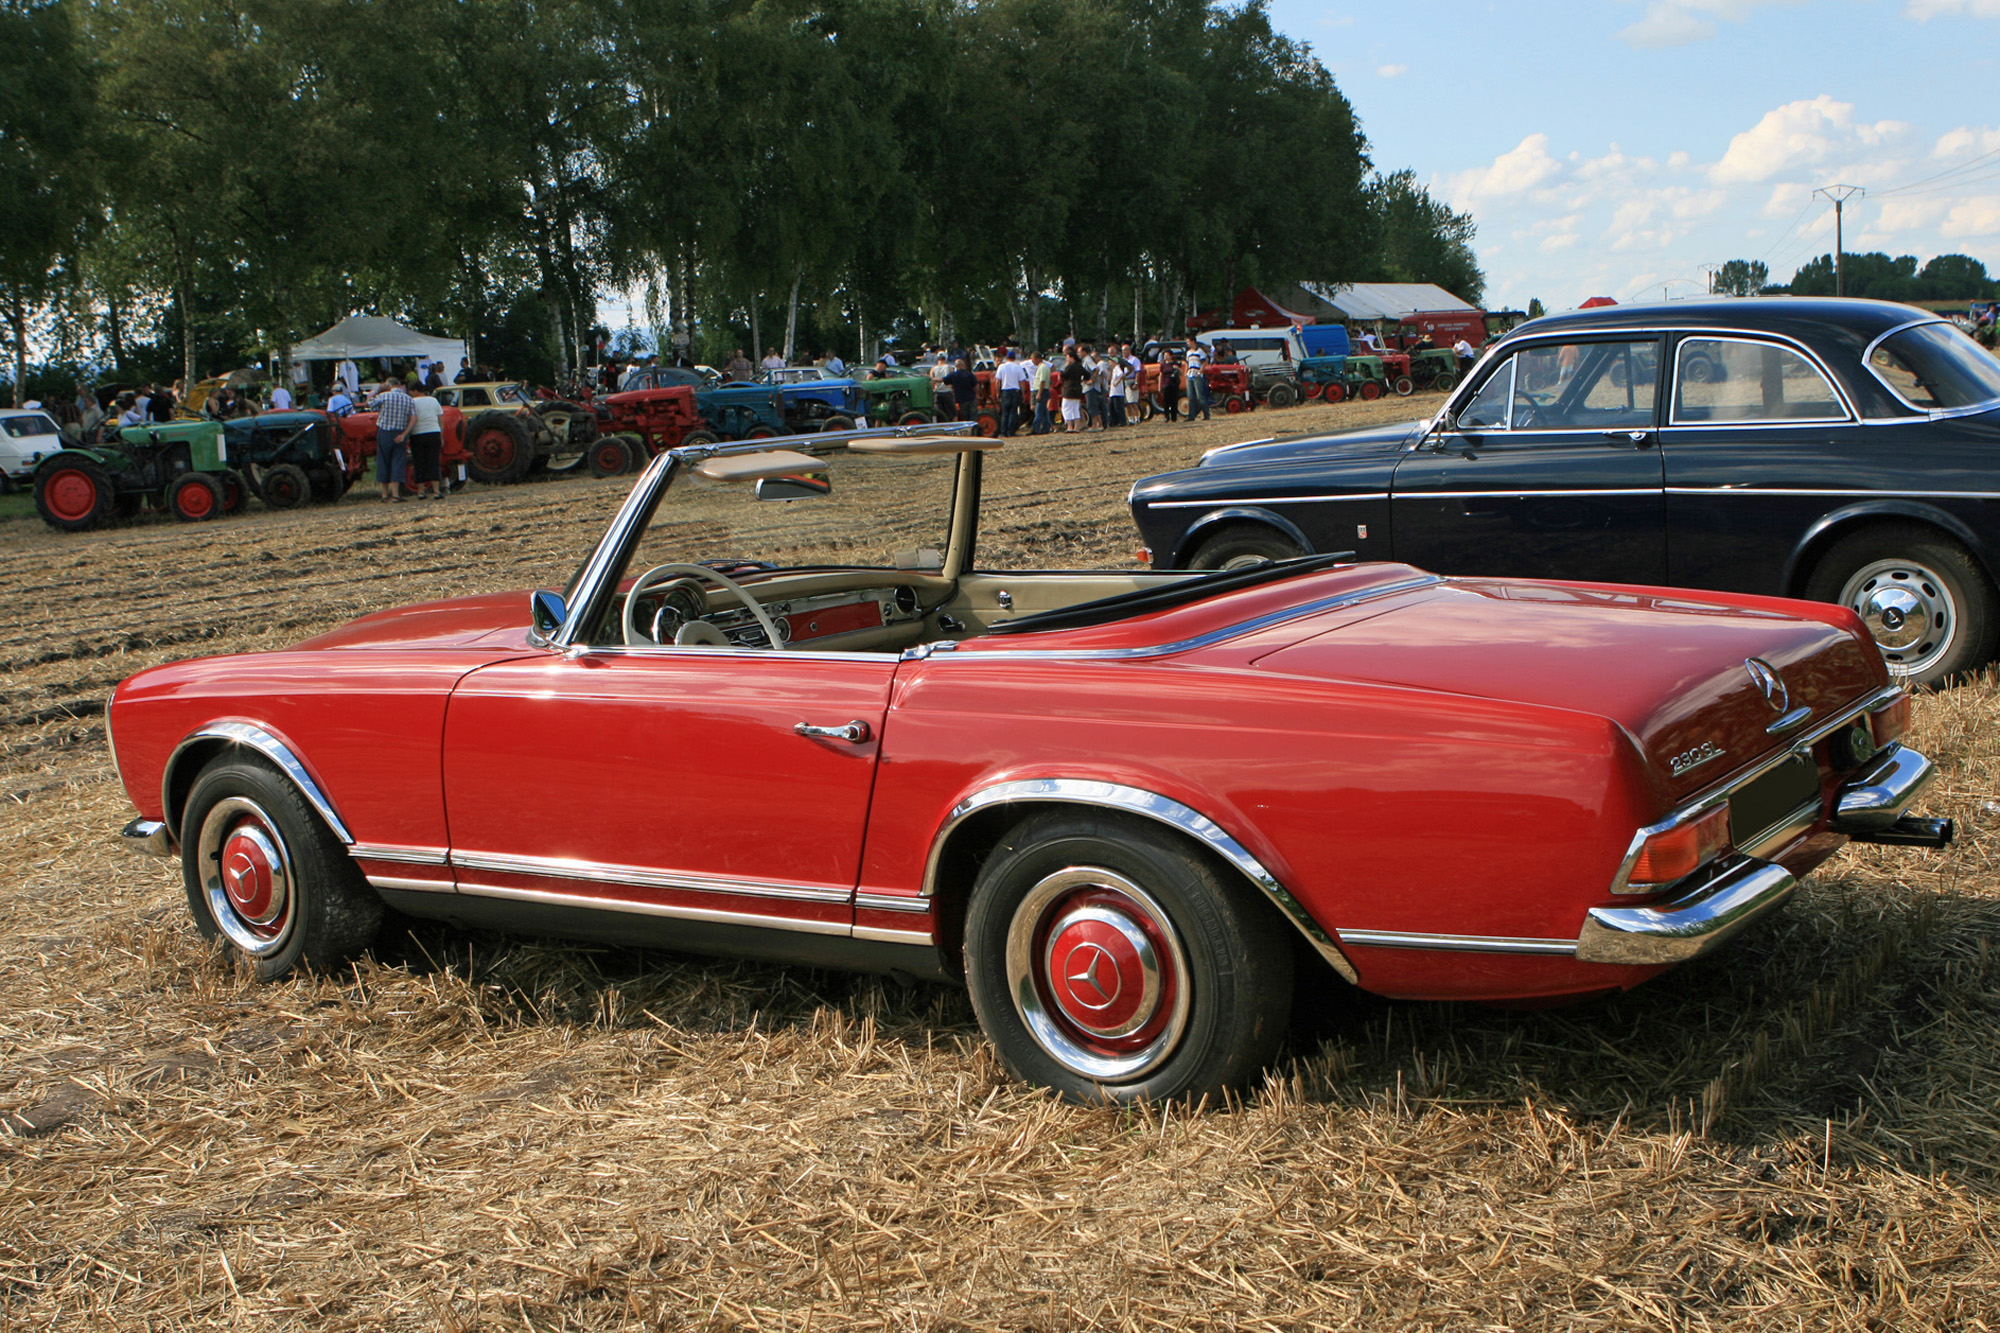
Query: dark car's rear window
(1934, 366)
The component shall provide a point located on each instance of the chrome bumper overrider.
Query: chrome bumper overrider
(1688, 926)
(1877, 796)
(148, 836)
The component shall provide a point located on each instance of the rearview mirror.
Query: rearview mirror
(804, 486)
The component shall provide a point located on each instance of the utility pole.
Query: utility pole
(1711, 270)
(1840, 194)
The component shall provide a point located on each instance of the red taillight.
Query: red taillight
(1682, 850)
(1890, 721)
(1144, 555)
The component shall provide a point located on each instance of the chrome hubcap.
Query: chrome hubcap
(1908, 609)
(246, 876)
(1098, 974)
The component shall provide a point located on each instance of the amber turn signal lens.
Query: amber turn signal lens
(1891, 720)
(1680, 851)
(1144, 555)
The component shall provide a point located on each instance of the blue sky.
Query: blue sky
(1615, 147)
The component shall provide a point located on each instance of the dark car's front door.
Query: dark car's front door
(1550, 471)
(673, 782)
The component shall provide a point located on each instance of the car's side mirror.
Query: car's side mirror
(803, 486)
(548, 612)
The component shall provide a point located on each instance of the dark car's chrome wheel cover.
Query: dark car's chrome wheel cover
(1908, 608)
(1098, 974)
(247, 877)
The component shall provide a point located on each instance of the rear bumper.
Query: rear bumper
(1690, 925)
(1877, 796)
(147, 836)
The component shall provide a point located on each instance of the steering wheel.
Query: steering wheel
(636, 637)
(1530, 412)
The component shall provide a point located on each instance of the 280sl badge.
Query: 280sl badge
(1694, 758)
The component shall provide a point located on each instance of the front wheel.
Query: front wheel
(1281, 395)
(1242, 546)
(265, 874)
(1111, 962)
(1920, 594)
(196, 497)
(74, 494)
(837, 421)
(610, 456)
(285, 487)
(1404, 386)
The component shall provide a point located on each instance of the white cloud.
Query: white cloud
(1896, 215)
(1391, 71)
(1974, 217)
(1965, 141)
(1514, 172)
(1799, 134)
(1683, 22)
(1925, 10)
(1560, 241)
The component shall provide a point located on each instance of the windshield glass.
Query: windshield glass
(22, 427)
(512, 393)
(1934, 366)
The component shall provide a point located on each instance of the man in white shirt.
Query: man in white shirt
(1013, 380)
(1197, 382)
(281, 398)
(349, 376)
(772, 361)
(1463, 351)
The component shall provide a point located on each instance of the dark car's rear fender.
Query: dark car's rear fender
(1250, 514)
(1850, 518)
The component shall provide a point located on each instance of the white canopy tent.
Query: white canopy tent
(363, 336)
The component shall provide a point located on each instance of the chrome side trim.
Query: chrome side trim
(273, 749)
(882, 936)
(413, 885)
(1690, 925)
(1408, 939)
(1266, 500)
(147, 837)
(1876, 797)
(1830, 491)
(674, 911)
(1420, 494)
(409, 856)
(891, 902)
(1150, 805)
(1701, 805)
(1199, 641)
(598, 872)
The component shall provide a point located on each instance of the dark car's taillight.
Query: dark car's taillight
(1891, 720)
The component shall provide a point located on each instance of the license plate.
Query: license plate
(1765, 802)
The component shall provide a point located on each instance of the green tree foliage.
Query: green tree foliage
(1742, 277)
(1876, 275)
(1422, 240)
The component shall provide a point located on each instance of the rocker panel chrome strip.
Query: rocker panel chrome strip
(597, 872)
(1408, 939)
(672, 910)
(409, 856)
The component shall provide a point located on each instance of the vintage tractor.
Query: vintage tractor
(743, 411)
(908, 400)
(1334, 378)
(288, 458)
(511, 431)
(1434, 368)
(180, 465)
(357, 449)
(1229, 387)
(639, 423)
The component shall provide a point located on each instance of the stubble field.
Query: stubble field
(473, 1132)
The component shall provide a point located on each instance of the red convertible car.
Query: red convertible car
(783, 710)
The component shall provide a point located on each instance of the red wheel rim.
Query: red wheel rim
(70, 494)
(1313, 390)
(610, 458)
(988, 425)
(1334, 393)
(761, 433)
(493, 450)
(247, 876)
(194, 500)
(1234, 403)
(1371, 390)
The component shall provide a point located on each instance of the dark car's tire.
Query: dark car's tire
(196, 497)
(285, 487)
(1242, 545)
(1923, 597)
(610, 456)
(1112, 962)
(73, 494)
(264, 873)
(1281, 395)
(500, 449)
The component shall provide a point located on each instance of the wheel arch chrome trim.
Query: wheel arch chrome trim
(1243, 511)
(1147, 805)
(254, 737)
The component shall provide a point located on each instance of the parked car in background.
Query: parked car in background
(1839, 450)
(780, 712)
(26, 438)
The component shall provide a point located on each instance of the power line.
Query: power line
(1939, 176)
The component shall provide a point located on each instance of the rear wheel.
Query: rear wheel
(196, 497)
(1112, 962)
(1927, 603)
(1404, 386)
(610, 456)
(573, 428)
(500, 448)
(1281, 395)
(235, 492)
(696, 438)
(989, 424)
(1235, 403)
(1445, 381)
(1334, 393)
(837, 422)
(1370, 390)
(914, 419)
(73, 494)
(1241, 545)
(285, 487)
(263, 873)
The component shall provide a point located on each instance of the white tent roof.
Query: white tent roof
(371, 335)
(1386, 300)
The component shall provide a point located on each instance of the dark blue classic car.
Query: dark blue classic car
(1844, 451)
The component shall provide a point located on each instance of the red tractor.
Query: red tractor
(641, 422)
(356, 448)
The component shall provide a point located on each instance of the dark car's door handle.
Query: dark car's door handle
(1637, 437)
(856, 731)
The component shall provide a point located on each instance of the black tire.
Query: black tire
(1071, 883)
(500, 448)
(235, 491)
(1404, 386)
(1281, 395)
(609, 456)
(73, 494)
(1241, 545)
(285, 487)
(196, 497)
(1152, 406)
(573, 429)
(697, 437)
(1445, 381)
(328, 483)
(837, 422)
(243, 818)
(1921, 594)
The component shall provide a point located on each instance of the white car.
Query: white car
(26, 438)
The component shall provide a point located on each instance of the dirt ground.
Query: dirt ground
(475, 1132)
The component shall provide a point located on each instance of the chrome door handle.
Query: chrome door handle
(856, 731)
(1635, 436)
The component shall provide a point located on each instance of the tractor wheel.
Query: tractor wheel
(1404, 386)
(1445, 381)
(696, 438)
(1235, 403)
(1370, 390)
(234, 491)
(1152, 407)
(837, 422)
(989, 425)
(328, 484)
(195, 497)
(285, 487)
(1282, 395)
(609, 456)
(74, 494)
(500, 448)
(914, 419)
(760, 433)
(572, 428)
(1334, 393)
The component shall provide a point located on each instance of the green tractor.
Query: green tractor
(899, 400)
(1434, 368)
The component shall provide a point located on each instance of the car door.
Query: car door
(1759, 445)
(672, 781)
(1549, 471)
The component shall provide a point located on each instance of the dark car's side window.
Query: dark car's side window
(1739, 381)
(1488, 409)
(1574, 386)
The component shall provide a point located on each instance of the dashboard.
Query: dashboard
(663, 611)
